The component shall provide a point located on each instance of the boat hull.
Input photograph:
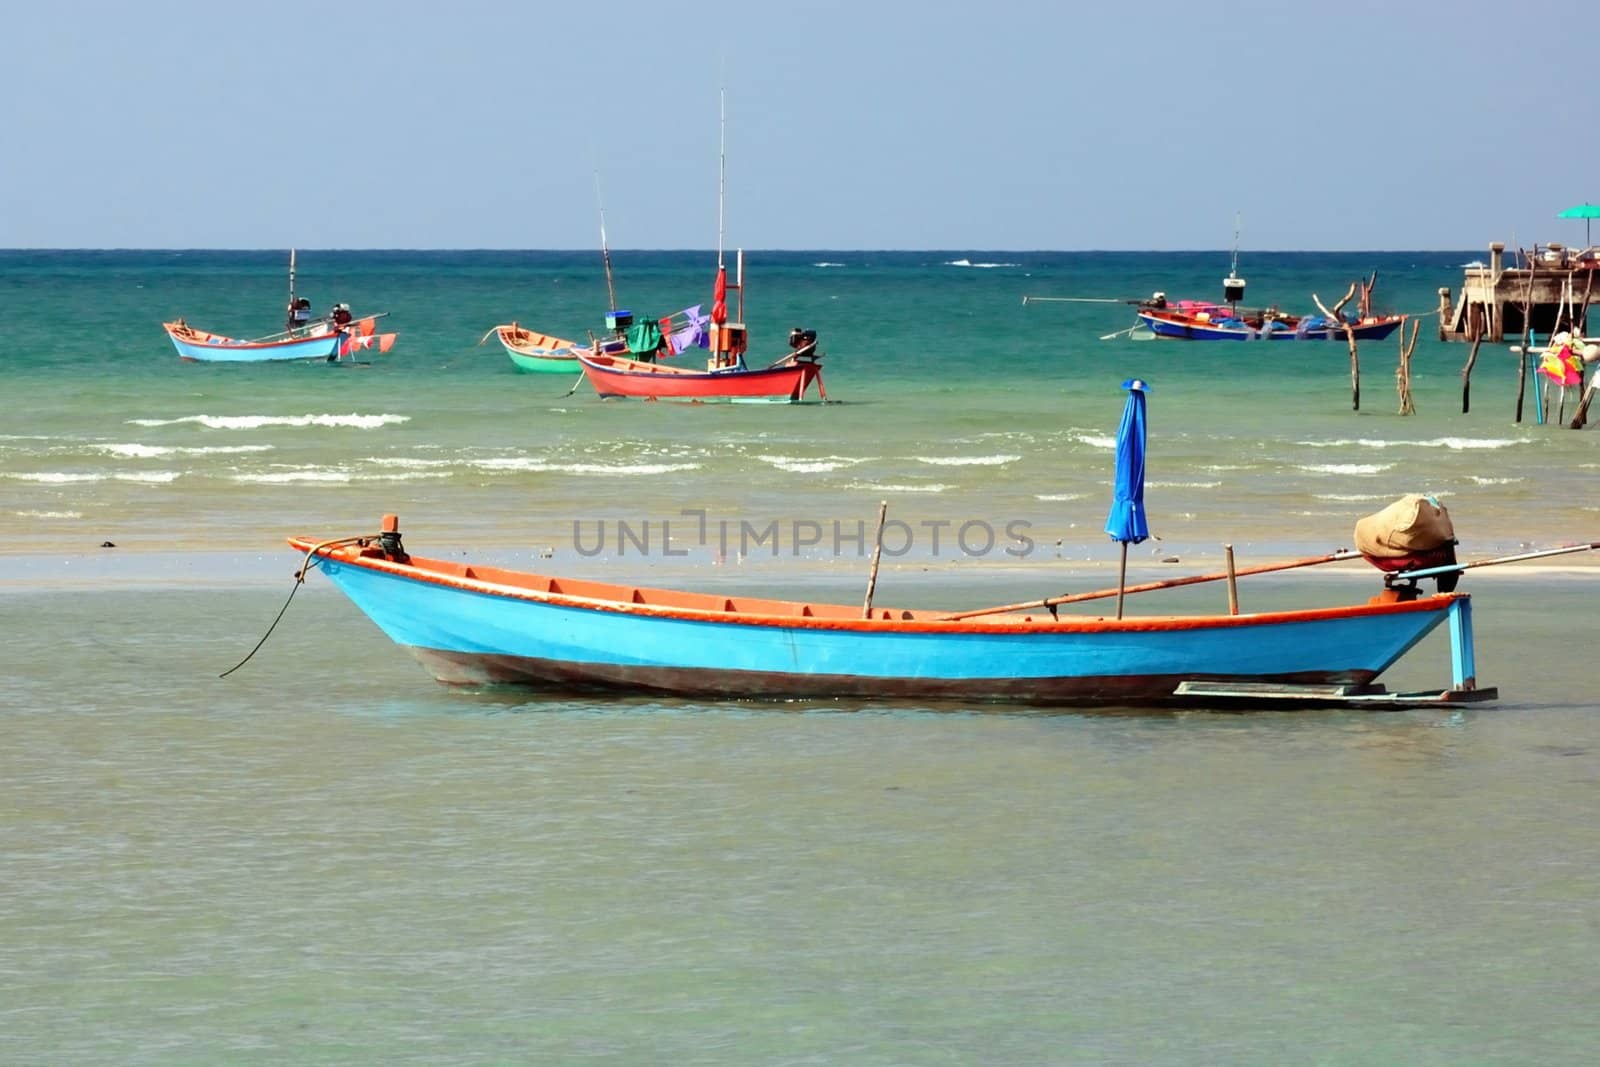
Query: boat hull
(1185, 328)
(549, 364)
(201, 347)
(467, 630)
(617, 377)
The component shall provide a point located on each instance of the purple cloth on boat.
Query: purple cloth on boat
(692, 334)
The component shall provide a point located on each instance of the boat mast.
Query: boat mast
(1233, 285)
(291, 279)
(722, 185)
(1234, 270)
(605, 249)
(722, 165)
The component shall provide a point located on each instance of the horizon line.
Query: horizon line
(587, 250)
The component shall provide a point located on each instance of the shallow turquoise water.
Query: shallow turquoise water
(956, 402)
(328, 858)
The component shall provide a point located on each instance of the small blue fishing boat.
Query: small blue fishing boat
(201, 346)
(338, 335)
(471, 624)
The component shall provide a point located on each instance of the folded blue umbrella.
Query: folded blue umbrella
(1127, 522)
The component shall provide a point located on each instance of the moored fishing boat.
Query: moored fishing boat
(1197, 321)
(331, 344)
(202, 346)
(538, 353)
(336, 336)
(727, 375)
(785, 380)
(471, 624)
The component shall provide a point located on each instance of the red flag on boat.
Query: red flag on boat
(719, 297)
(367, 327)
(384, 341)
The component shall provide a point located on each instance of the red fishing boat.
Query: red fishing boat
(786, 380)
(727, 375)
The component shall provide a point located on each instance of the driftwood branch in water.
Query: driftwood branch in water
(1350, 337)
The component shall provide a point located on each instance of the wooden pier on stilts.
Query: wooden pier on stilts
(1542, 291)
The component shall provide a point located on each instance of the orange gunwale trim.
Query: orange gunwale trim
(189, 335)
(716, 608)
(548, 345)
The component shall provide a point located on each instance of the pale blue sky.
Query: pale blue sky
(986, 124)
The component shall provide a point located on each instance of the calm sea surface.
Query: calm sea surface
(328, 858)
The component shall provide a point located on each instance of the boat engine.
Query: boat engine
(1412, 534)
(389, 540)
(799, 338)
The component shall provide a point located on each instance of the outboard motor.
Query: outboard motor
(1412, 534)
(389, 540)
(799, 338)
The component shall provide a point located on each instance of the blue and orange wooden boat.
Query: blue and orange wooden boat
(323, 342)
(470, 624)
(1198, 321)
(201, 346)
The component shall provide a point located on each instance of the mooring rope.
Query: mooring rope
(299, 580)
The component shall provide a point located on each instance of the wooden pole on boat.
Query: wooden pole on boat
(605, 249)
(1077, 300)
(722, 167)
(1456, 568)
(1150, 587)
(1233, 582)
(877, 554)
(1122, 579)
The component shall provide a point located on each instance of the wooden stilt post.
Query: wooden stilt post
(1527, 334)
(1580, 318)
(1581, 419)
(1403, 372)
(1466, 377)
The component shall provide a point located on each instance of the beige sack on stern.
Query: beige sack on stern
(1414, 523)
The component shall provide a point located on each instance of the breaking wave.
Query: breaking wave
(519, 463)
(1344, 468)
(968, 461)
(136, 451)
(1455, 443)
(814, 465)
(353, 420)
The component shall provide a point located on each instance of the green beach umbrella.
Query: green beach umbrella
(1584, 212)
